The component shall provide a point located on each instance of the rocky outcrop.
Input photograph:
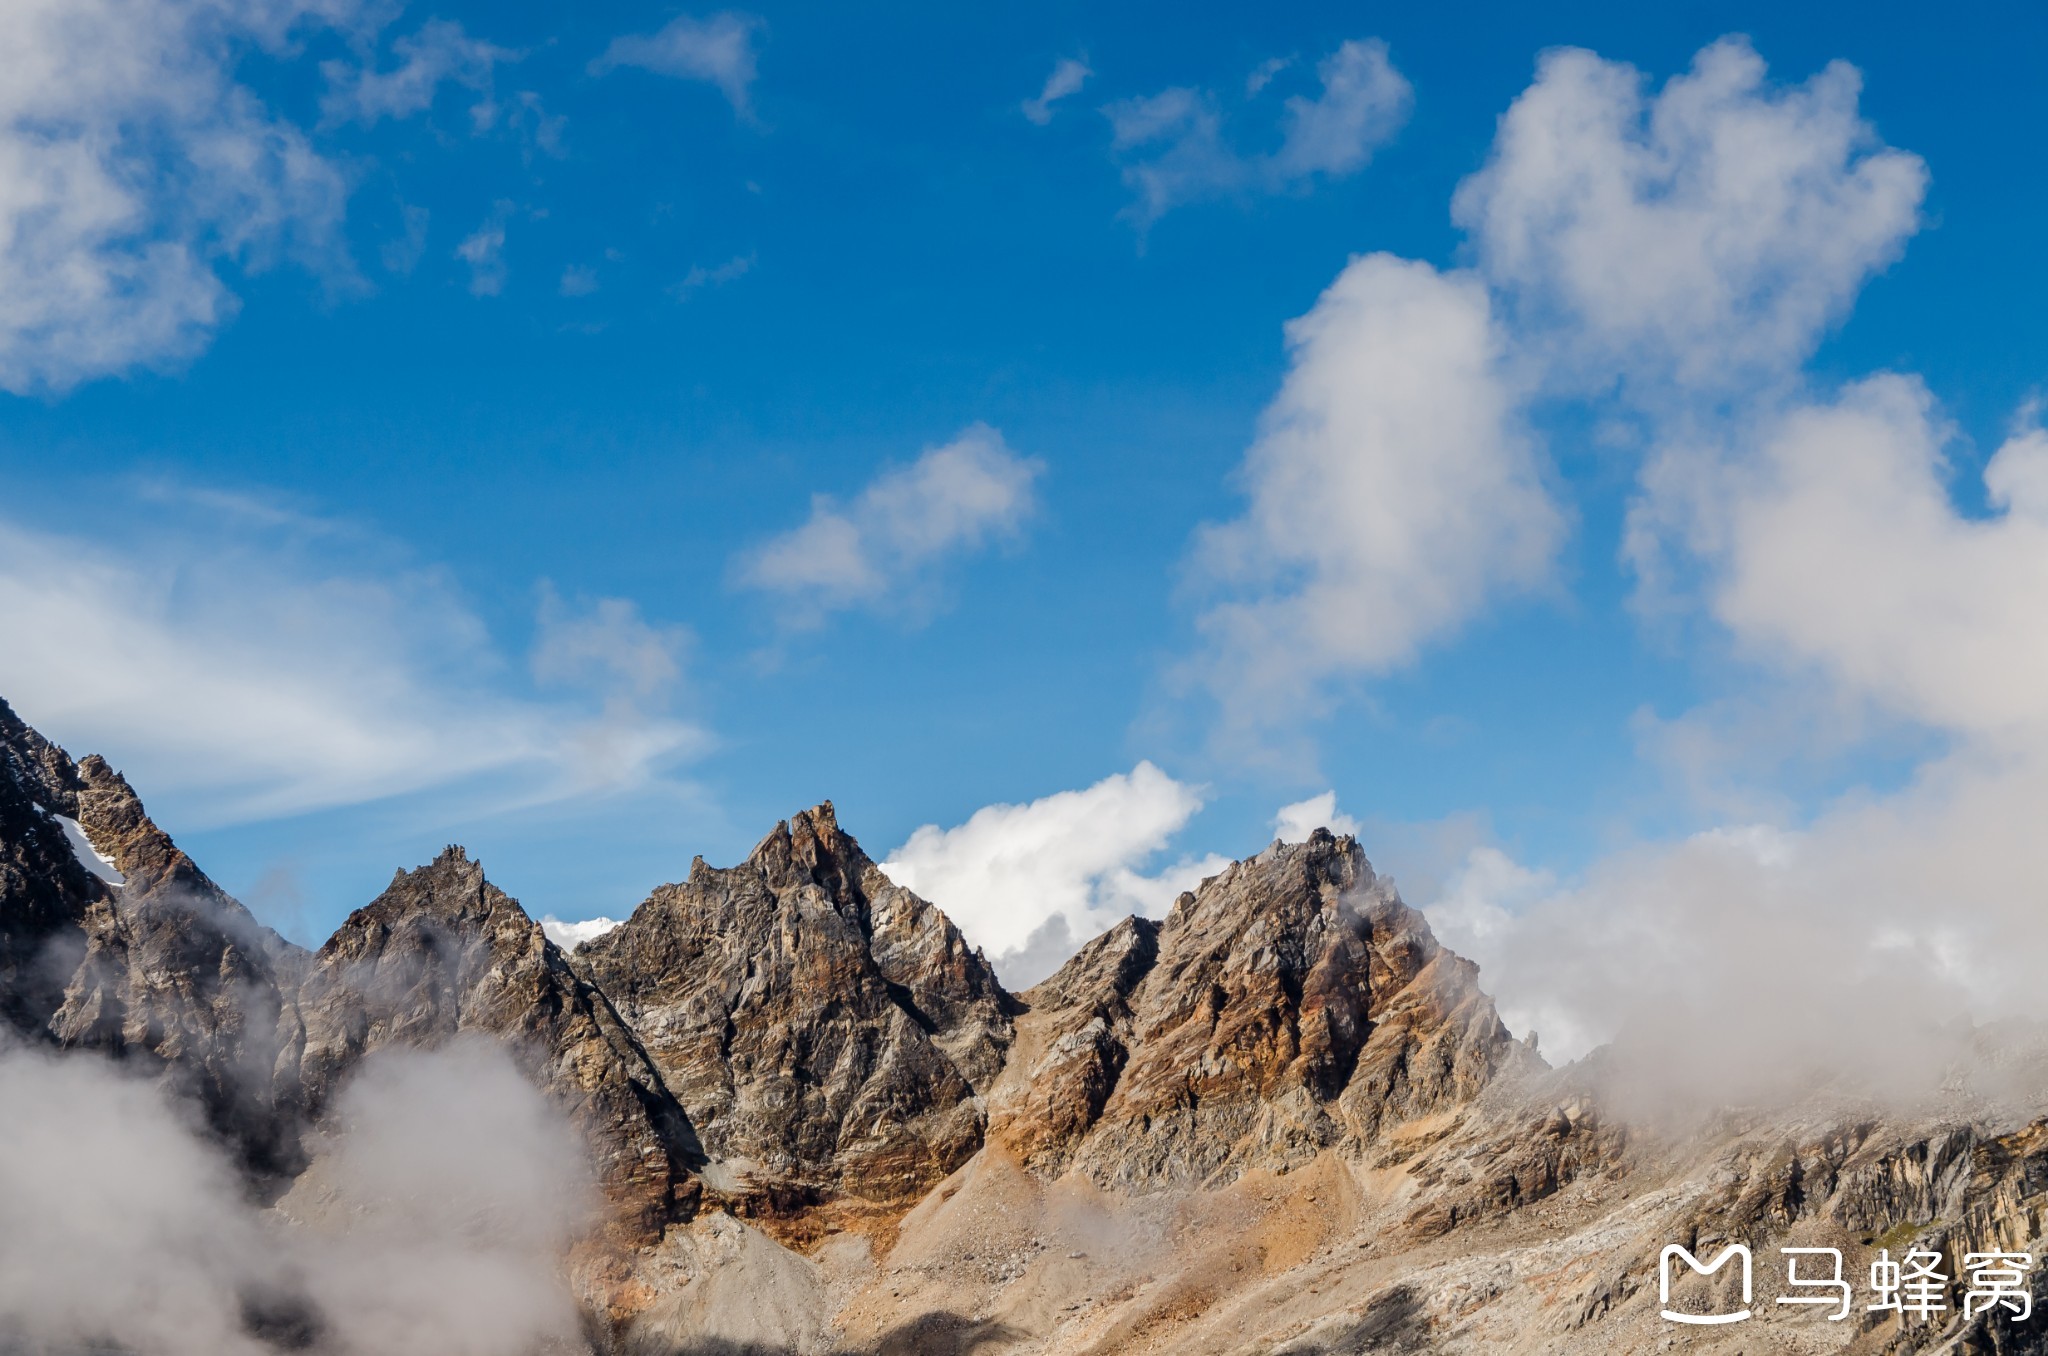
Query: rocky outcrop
(443, 951)
(828, 1032)
(1290, 1005)
(163, 967)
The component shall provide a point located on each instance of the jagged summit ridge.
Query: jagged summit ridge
(827, 1030)
(168, 968)
(1291, 1004)
(442, 952)
(1282, 1118)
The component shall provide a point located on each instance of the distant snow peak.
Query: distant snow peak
(570, 935)
(89, 857)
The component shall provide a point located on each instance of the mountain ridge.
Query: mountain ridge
(1282, 1118)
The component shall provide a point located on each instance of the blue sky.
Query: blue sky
(507, 346)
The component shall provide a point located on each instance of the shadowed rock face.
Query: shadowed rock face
(827, 1031)
(444, 951)
(165, 967)
(1291, 1004)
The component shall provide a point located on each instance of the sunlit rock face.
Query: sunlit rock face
(443, 951)
(828, 1032)
(1290, 1005)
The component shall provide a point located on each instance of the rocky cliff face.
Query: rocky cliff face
(828, 1032)
(162, 967)
(1291, 1005)
(443, 951)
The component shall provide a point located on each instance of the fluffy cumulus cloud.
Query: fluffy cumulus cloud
(570, 933)
(1693, 244)
(1833, 544)
(1294, 823)
(720, 50)
(1174, 150)
(1393, 490)
(884, 549)
(1710, 233)
(1031, 883)
(259, 668)
(1834, 555)
(1676, 256)
(1686, 250)
(1068, 75)
(133, 166)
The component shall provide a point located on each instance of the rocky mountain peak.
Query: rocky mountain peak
(808, 849)
(166, 968)
(825, 1029)
(1290, 1004)
(444, 952)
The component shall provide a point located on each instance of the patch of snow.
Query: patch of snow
(90, 857)
(570, 935)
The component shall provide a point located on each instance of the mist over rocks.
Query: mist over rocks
(165, 968)
(442, 953)
(786, 1108)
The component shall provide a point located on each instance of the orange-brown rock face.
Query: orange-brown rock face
(1291, 1004)
(443, 951)
(827, 1031)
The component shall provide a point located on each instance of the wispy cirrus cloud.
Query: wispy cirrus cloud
(885, 549)
(721, 49)
(1069, 74)
(256, 663)
(440, 52)
(1174, 149)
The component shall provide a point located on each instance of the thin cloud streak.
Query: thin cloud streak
(257, 675)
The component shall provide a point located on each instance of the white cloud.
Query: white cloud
(1068, 75)
(132, 166)
(1174, 150)
(440, 51)
(1393, 492)
(1172, 144)
(1363, 103)
(572, 933)
(447, 1188)
(1697, 246)
(484, 251)
(255, 673)
(1262, 74)
(1031, 883)
(884, 547)
(1835, 545)
(1294, 823)
(719, 50)
(700, 277)
(1710, 234)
